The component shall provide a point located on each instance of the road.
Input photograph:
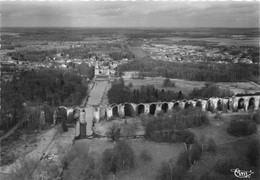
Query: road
(95, 98)
(96, 94)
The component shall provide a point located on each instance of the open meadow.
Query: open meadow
(159, 152)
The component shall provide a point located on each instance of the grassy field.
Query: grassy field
(143, 170)
(159, 152)
(187, 86)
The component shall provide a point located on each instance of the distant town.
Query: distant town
(184, 51)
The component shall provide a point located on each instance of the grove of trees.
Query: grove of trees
(210, 90)
(170, 127)
(168, 83)
(121, 157)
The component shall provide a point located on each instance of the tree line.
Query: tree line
(205, 71)
(32, 55)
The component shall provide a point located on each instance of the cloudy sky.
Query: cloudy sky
(129, 14)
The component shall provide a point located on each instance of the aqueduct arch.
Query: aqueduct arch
(102, 112)
(188, 105)
(176, 105)
(209, 106)
(251, 103)
(115, 111)
(165, 107)
(199, 104)
(220, 105)
(241, 104)
(140, 109)
(152, 109)
(129, 110)
(76, 113)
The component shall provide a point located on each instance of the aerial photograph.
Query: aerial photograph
(129, 90)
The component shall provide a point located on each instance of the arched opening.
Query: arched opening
(219, 105)
(70, 117)
(165, 107)
(140, 109)
(103, 113)
(129, 110)
(209, 106)
(176, 105)
(187, 105)
(199, 104)
(152, 109)
(241, 104)
(251, 103)
(76, 113)
(115, 111)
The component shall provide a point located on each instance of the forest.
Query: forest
(51, 87)
(210, 72)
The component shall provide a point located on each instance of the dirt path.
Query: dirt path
(44, 139)
(255, 84)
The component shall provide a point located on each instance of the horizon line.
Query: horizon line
(126, 27)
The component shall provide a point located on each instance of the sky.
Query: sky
(129, 14)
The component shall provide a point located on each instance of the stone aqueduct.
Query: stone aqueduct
(235, 103)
